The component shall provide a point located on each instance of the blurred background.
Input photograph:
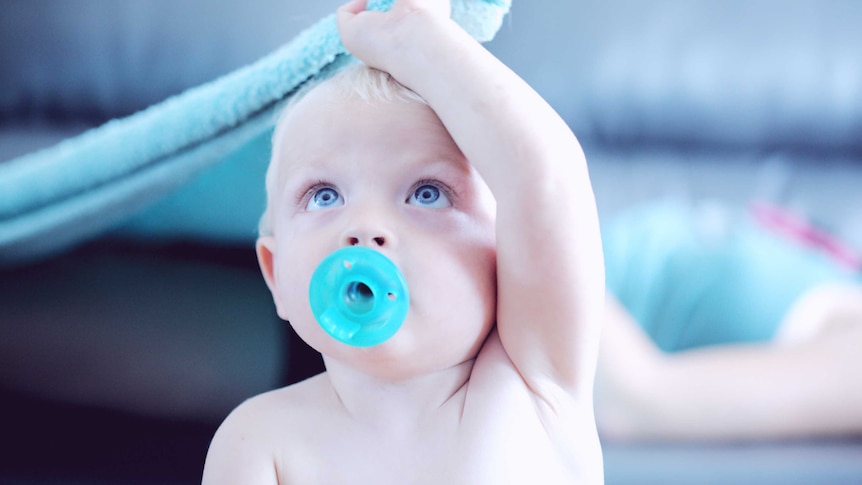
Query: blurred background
(120, 356)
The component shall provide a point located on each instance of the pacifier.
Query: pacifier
(358, 296)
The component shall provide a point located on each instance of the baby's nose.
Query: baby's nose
(369, 223)
(371, 234)
(378, 241)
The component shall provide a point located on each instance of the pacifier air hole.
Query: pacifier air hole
(359, 298)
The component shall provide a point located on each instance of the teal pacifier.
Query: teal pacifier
(358, 296)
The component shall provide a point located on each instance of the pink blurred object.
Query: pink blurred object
(796, 227)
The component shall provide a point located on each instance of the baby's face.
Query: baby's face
(389, 177)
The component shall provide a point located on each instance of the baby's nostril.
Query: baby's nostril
(380, 241)
(353, 241)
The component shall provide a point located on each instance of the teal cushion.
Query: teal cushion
(705, 275)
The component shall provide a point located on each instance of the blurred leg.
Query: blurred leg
(821, 309)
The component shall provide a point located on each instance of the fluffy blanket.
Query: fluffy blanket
(65, 194)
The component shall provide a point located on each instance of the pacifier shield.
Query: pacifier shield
(358, 296)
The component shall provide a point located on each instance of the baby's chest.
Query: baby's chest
(494, 441)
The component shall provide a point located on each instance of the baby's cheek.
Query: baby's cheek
(478, 262)
(298, 313)
(294, 277)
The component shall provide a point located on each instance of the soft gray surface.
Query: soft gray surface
(809, 462)
(107, 58)
(826, 190)
(720, 72)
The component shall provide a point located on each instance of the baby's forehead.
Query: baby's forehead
(316, 98)
(300, 116)
(326, 120)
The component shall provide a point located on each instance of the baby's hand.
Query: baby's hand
(382, 39)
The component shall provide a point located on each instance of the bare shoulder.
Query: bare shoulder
(279, 408)
(250, 444)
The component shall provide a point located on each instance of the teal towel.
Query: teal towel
(57, 197)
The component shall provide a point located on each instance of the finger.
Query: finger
(352, 7)
(344, 18)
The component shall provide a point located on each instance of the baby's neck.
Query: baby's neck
(383, 403)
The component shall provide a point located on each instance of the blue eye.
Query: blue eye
(324, 198)
(429, 195)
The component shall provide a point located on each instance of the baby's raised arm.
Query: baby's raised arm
(549, 264)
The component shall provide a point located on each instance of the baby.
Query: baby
(443, 160)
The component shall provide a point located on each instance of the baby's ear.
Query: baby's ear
(265, 247)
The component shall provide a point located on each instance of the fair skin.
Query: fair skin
(490, 378)
(804, 383)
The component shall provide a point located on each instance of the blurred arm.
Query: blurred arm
(751, 391)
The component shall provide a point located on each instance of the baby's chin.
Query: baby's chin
(400, 358)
